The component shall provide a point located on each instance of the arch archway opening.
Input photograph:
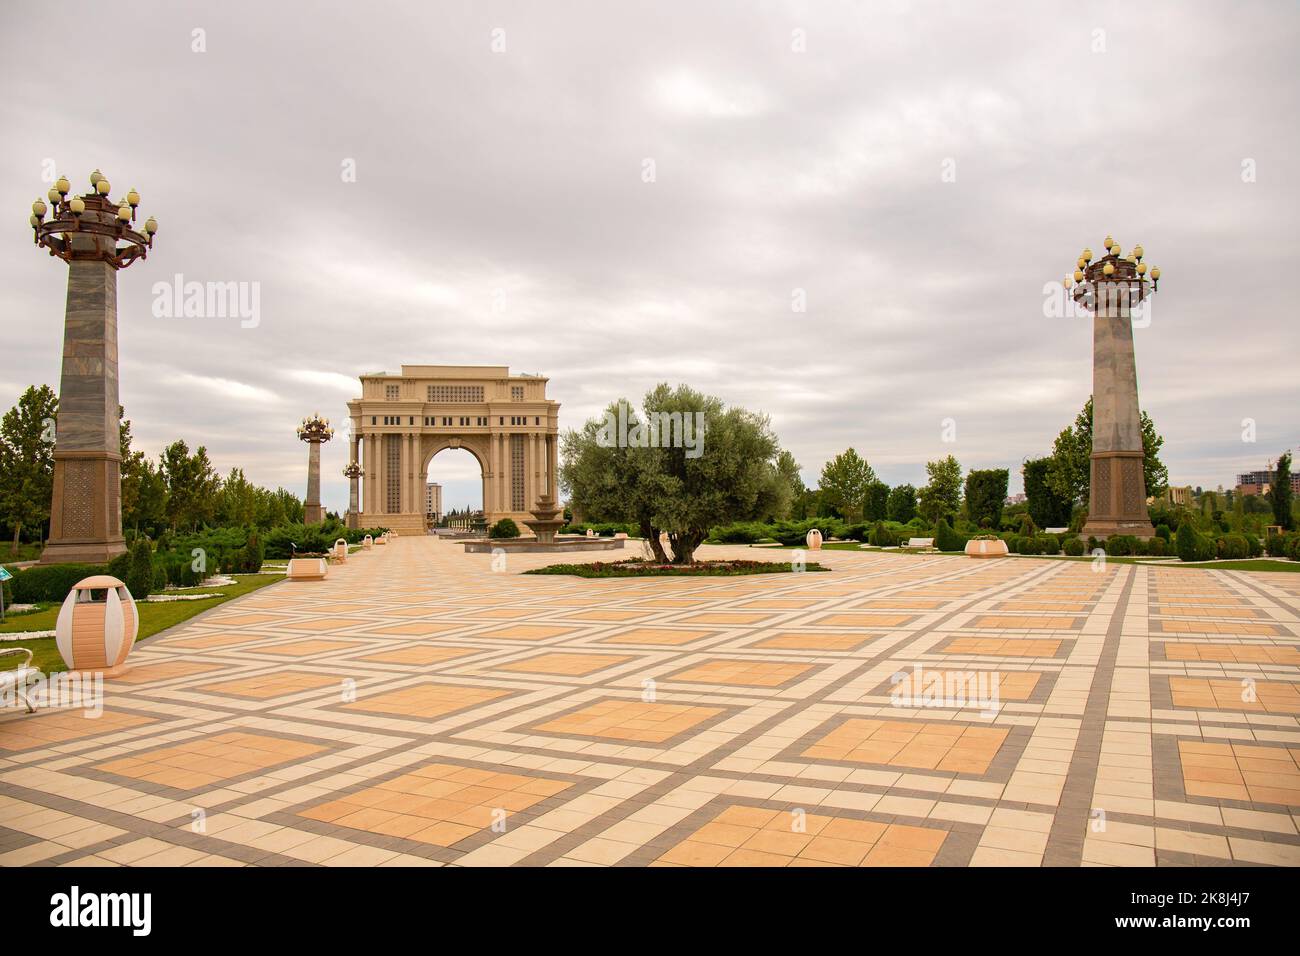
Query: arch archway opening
(454, 485)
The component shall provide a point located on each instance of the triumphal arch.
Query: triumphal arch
(401, 421)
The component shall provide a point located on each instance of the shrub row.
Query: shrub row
(605, 529)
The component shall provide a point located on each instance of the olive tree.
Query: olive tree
(683, 465)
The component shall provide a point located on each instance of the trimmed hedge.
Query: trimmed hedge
(139, 573)
(1192, 545)
(505, 528)
(1233, 546)
(945, 539)
(1074, 547)
(882, 537)
(49, 583)
(1118, 545)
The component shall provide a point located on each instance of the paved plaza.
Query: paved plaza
(420, 708)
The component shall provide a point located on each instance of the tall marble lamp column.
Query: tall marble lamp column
(96, 236)
(315, 431)
(1112, 288)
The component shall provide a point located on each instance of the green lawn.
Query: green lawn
(154, 618)
(28, 551)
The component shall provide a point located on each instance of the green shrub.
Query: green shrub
(1051, 544)
(120, 566)
(1092, 543)
(1252, 542)
(1233, 546)
(743, 532)
(882, 537)
(1192, 545)
(139, 576)
(251, 555)
(1293, 547)
(1276, 546)
(1163, 533)
(857, 532)
(945, 539)
(49, 583)
(1158, 547)
(505, 528)
(1074, 547)
(1118, 545)
(795, 533)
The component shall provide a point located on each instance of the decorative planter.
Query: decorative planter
(341, 551)
(814, 540)
(367, 543)
(591, 532)
(382, 539)
(97, 625)
(986, 548)
(308, 569)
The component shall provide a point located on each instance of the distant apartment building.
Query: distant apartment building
(433, 500)
(1258, 482)
(1017, 499)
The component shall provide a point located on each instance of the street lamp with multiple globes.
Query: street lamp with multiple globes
(1111, 288)
(96, 236)
(314, 431)
(353, 472)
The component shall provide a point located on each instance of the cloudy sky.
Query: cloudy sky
(916, 171)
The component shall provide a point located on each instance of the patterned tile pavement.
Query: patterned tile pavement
(418, 708)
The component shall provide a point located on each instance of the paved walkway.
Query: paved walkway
(418, 708)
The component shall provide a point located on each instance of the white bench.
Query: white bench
(15, 681)
(920, 542)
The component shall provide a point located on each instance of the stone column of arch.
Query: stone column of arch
(503, 483)
(374, 475)
(404, 502)
(490, 479)
(553, 467)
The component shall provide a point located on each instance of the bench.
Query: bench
(15, 681)
(920, 543)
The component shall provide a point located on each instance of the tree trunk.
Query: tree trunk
(684, 546)
(18, 527)
(651, 534)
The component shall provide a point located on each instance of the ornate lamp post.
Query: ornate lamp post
(353, 472)
(95, 236)
(1111, 288)
(314, 431)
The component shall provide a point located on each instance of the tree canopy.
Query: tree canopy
(1070, 472)
(845, 482)
(941, 498)
(661, 488)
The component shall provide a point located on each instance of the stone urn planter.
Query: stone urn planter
(986, 548)
(97, 625)
(307, 569)
(341, 551)
(591, 532)
(367, 543)
(382, 539)
(814, 540)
